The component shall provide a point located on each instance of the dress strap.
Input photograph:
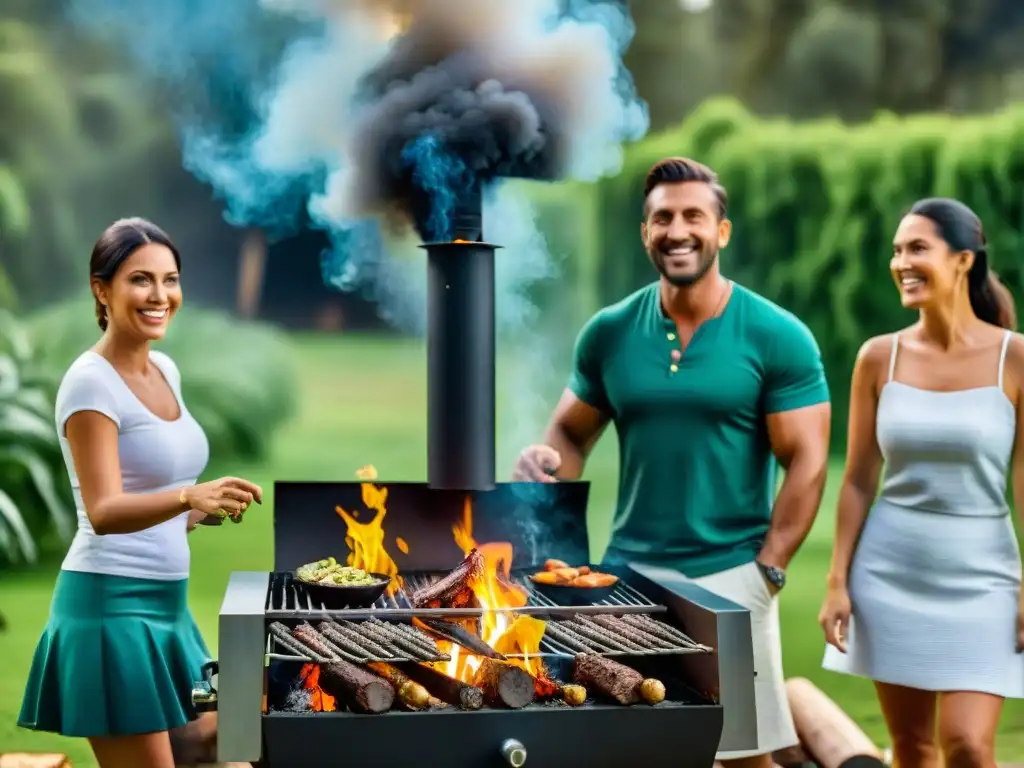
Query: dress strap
(1002, 356)
(895, 349)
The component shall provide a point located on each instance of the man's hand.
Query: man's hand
(537, 464)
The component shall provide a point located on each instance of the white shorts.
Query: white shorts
(746, 586)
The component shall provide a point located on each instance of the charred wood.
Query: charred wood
(616, 681)
(448, 689)
(504, 683)
(411, 694)
(455, 589)
(360, 690)
(456, 633)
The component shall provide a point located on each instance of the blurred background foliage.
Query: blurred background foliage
(824, 118)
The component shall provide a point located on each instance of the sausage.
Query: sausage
(545, 577)
(566, 575)
(554, 565)
(595, 580)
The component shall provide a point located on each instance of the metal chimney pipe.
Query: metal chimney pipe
(460, 354)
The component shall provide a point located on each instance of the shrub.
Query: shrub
(814, 207)
(35, 499)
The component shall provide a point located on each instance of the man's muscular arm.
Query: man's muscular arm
(574, 429)
(799, 440)
(798, 417)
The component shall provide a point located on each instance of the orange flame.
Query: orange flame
(366, 540)
(494, 590)
(321, 700)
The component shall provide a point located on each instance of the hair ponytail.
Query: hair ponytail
(961, 228)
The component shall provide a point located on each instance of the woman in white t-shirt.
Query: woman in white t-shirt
(120, 653)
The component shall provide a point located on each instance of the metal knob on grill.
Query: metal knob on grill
(514, 752)
(204, 694)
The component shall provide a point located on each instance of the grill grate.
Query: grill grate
(287, 598)
(611, 635)
(358, 642)
(373, 640)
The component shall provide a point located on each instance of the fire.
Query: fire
(366, 540)
(493, 591)
(321, 700)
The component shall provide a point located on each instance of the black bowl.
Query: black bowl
(338, 596)
(566, 595)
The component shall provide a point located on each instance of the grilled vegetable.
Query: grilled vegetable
(329, 571)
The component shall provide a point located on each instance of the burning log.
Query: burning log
(410, 693)
(616, 681)
(361, 690)
(447, 689)
(504, 683)
(455, 589)
(455, 633)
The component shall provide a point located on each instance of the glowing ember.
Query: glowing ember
(366, 540)
(320, 700)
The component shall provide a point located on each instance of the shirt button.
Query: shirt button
(673, 367)
(671, 337)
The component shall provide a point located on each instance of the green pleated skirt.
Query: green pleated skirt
(118, 656)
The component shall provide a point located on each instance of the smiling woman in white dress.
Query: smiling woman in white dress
(120, 652)
(924, 588)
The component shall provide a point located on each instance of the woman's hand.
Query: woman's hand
(228, 496)
(835, 616)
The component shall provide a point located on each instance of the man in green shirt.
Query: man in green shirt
(709, 386)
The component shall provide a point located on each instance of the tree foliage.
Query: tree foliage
(814, 207)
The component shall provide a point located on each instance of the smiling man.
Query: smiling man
(710, 387)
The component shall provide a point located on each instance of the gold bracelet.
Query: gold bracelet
(183, 499)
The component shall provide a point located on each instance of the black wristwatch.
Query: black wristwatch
(775, 576)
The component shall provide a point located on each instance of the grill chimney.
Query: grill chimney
(460, 353)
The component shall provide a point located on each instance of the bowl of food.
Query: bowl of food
(339, 586)
(566, 585)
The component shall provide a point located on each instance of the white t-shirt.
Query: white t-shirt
(155, 455)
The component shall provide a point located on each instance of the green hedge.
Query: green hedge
(814, 207)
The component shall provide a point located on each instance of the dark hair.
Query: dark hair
(676, 170)
(961, 228)
(119, 241)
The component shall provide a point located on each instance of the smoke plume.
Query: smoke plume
(366, 117)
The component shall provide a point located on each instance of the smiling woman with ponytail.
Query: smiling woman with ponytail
(924, 590)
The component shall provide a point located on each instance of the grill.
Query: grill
(283, 654)
(655, 622)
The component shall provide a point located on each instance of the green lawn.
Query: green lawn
(364, 401)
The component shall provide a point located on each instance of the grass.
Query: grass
(364, 401)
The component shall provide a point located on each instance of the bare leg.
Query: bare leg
(195, 743)
(967, 728)
(149, 750)
(910, 717)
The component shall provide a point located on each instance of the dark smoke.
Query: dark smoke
(346, 114)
